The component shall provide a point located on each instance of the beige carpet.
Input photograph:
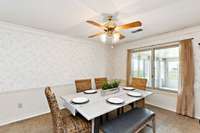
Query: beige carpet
(167, 122)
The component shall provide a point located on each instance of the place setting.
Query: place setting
(134, 94)
(115, 100)
(80, 100)
(91, 91)
(128, 88)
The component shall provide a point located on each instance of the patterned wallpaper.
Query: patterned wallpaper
(196, 49)
(30, 59)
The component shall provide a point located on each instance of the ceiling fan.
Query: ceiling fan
(138, 30)
(111, 29)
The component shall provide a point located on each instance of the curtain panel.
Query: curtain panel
(185, 98)
(128, 69)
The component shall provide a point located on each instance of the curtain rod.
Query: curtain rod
(160, 44)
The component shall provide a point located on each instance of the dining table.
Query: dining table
(98, 106)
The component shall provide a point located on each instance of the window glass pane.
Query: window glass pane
(167, 68)
(141, 65)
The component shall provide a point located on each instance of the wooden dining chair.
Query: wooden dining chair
(83, 84)
(99, 82)
(140, 83)
(65, 123)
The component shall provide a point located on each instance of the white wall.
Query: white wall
(159, 98)
(31, 58)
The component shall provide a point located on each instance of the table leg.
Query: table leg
(118, 112)
(95, 125)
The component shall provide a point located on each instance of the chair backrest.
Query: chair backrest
(83, 84)
(100, 81)
(139, 83)
(58, 124)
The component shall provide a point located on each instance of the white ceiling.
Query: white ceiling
(68, 16)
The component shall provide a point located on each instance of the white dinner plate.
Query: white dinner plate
(80, 100)
(90, 91)
(115, 100)
(134, 94)
(128, 88)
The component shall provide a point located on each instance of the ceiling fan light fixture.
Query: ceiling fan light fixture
(111, 31)
(115, 37)
(103, 38)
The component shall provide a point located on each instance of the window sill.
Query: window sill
(164, 90)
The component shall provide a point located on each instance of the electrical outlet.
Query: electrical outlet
(19, 105)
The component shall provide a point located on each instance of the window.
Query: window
(141, 65)
(167, 68)
(160, 66)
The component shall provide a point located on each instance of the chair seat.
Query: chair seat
(128, 122)
(76, 124)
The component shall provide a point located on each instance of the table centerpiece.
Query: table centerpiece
(110, 87)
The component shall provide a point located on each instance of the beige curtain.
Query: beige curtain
(185, 100)
(128, 73)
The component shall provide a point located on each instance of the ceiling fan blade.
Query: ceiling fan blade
(121, 36)
(97, 34)
(138, 30)
(95, 24)
(129, 25)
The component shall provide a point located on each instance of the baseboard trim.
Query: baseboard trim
(196, 117)
(23, 118)
(160, 107)
(26, 117)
